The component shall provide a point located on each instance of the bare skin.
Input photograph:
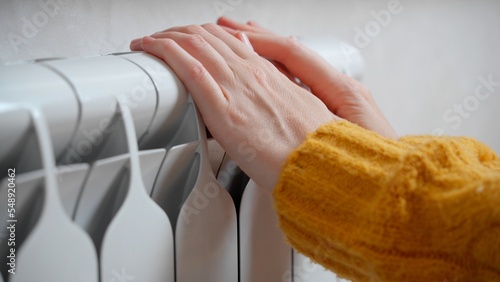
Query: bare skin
(252, 109)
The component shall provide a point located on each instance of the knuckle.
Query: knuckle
(194, 29)
(236, 117)
(167, 43)
(195, 41)
(211, 27)
(196, 71)
(257, 73)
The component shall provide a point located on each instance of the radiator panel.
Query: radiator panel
(222, 227)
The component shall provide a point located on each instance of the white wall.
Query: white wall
(424, 62)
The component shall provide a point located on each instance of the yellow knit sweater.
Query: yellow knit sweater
(421, 208)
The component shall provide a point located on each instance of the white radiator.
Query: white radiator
(107, 175)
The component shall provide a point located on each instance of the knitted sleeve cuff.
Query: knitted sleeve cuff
(327, 186)
(372, 208)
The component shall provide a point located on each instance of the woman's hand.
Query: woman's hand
(343, 95)
(256, 113)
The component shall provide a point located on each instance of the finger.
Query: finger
(236, 33)
(135, 45)
(244, 38)
(254, 24)
(303, 63)
(205, 91)
(230, 30)
(223, 21)
(197, 47)
(221, 41)
(277, 64)
(236, 44)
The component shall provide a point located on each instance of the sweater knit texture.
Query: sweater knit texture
(420, 208)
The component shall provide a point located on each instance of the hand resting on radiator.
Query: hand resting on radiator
(343, 95)
(368, 207)
(256, 113)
